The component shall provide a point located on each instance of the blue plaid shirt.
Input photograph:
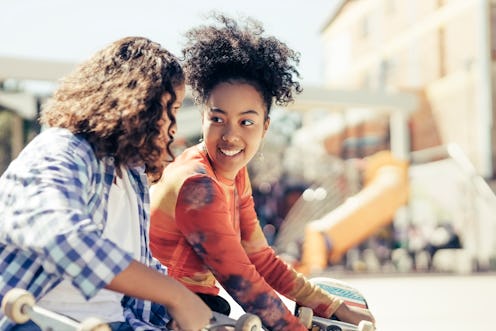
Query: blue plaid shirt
(53, 209)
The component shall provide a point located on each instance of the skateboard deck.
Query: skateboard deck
(19, 305)
(342, 290)
(351, 297)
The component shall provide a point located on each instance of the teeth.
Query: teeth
(230, 152)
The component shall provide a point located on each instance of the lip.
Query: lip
(230, 152)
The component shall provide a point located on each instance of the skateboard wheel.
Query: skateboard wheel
(334, 328)
(305, 316)
(93, 324)
(14, 305)
(248, 322)
(366, 326)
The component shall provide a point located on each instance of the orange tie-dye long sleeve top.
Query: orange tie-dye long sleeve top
(204, 228)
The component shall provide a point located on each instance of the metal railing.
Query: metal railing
(467, 200)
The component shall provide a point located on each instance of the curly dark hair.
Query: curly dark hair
(232, 52)
(114, 101)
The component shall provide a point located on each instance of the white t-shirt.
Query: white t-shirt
(122, 228)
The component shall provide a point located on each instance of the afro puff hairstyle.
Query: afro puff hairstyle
(230, 52)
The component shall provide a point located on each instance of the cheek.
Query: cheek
(209, 131)
(164, 129)
(256, 138)
(165, 122)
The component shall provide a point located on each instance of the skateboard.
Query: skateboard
(351, 297)
(20, 306)
(325, 324)
(246, 322)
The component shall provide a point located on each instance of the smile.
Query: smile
(230, 152)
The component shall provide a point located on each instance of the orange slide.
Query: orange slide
(360, 216)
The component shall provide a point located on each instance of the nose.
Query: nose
(229, 134)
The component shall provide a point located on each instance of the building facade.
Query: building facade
(442, 50)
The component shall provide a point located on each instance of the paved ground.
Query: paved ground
(428, 302)
(432, 303)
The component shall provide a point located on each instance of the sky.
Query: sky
(72, 30)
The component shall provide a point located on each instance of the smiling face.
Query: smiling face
(233, 126)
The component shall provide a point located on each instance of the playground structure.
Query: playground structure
(355, 216)
(432, 199)
(441, 211)
(385, 190)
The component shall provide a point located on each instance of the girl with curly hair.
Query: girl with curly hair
(203, 221)
(74, 205)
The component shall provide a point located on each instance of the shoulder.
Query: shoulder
(190, 163)
(189, 175)
(194, 157)
(61, 137)
(58, 150)
(59, 141)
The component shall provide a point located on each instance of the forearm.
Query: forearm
(292, 284)
(142, 282)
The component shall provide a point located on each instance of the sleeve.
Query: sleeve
(51, 217)
(203, 216)
(283, 278)
(158, 266)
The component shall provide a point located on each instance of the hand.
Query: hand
(353, 314)
(189, 313)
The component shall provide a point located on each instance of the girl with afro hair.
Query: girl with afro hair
(203, 222)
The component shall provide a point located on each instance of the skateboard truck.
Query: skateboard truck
(246, 322)
(20, 306)
(305, 316)
(251, 322)
(314, 323)
(324, 324)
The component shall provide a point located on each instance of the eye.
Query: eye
(247, 122)
(216, 119)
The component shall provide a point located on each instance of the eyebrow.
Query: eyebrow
(246, 112)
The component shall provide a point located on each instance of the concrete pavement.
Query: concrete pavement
(425, 302)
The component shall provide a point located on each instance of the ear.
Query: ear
(266, 126)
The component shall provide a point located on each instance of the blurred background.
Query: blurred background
(382, 172)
